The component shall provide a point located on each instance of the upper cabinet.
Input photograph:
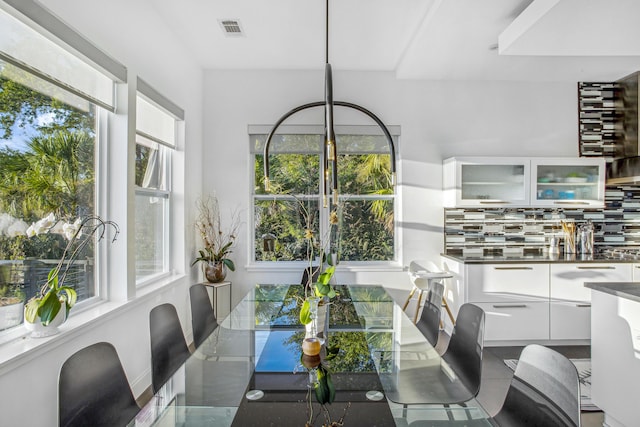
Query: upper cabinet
(568, 182)
(515, 182)
(486, 181)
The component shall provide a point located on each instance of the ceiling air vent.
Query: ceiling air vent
(231, 27)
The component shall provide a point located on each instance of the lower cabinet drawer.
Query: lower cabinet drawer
(570, 320)
(515, 321)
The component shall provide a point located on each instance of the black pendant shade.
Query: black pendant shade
(330, 163)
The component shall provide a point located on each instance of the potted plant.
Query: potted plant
(218, 242)
(320, 288)
(11, 302)
(51, 305)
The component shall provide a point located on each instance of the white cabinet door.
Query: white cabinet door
(507, 282)
(570, 307)
(568, 182)
(527, 320)
(567, 280)
(636, 273)
(486, 182)
(570, 320)
(514, 297)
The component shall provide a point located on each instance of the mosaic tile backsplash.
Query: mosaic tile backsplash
(528, 231)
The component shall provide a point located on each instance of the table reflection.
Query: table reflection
(249, 371)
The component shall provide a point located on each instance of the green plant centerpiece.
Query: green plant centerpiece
(54, 297)
(327, 258)
(218, 242)
(318, 295)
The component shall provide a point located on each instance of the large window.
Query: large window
(47, 164)
(360, 227)
(155, 142)
(52, 99)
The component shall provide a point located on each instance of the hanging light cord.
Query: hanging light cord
(326, 34)
(330, 144)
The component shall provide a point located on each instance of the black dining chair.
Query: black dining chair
(312, 272)
(168, 346)
(93, 389)
(464, 353)
(429, 321)
(544, 391)
(203, 319)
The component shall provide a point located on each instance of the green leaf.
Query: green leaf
(326, 275)
(305, 313)
(331, 388)
(49, 307)
(70, 296)
(229, 263)
(325, 390)
(322, 289)
(322, 389)
(332, 352)
(52, 278)
(31, 310)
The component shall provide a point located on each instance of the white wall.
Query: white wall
(437, 119)
(139, 40)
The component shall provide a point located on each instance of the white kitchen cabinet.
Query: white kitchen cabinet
(636, 273)
(514, 297)
(486, 182)
(508, 282)
(515, 321)
(570, 301)
(533, 302)
(568, 182)
(614, 357)
(519, 182)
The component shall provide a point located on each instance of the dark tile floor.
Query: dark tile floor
(496, 378)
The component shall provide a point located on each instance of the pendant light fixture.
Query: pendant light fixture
(330, 151)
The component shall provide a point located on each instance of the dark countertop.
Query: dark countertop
(627, 290)
(539, 259)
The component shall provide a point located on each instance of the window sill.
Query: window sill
(22, 348)
(296, 266)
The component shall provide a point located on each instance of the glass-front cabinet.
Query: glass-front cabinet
(486, 182)
(515, 181)
(568, 182)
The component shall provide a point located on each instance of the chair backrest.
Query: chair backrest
(544, 391)
(203, 319)
(168, 346)
(93, 389)
(464, 353)
(313, 272)
(429, 322)
(423, 265)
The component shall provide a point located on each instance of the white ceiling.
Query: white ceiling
(532, 40)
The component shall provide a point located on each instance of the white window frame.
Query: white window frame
(255, 264)
(152, 104)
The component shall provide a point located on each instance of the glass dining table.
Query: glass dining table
(250, 370)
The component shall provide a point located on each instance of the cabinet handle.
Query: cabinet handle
(597, 268)
(513, 268)
(490, 202)
(509, 305)
(558, 202)
(583, 305)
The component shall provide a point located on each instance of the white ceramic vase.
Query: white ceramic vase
(38, 330)
(11, 315)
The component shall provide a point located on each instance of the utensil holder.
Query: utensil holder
(569, 243)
